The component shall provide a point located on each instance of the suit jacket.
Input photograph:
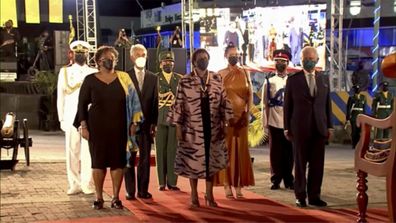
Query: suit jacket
(163, 88)
(148, 98)
(302, 112)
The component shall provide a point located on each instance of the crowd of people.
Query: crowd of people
(198, 122)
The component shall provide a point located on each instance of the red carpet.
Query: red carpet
(170, 206)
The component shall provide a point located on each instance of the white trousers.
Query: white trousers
(78, 160)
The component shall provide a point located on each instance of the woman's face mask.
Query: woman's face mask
(202, 63)
(108, 64)
(232, 60)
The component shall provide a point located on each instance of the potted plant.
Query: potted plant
(47, 83)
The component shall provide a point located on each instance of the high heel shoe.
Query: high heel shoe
(116, 203)
(210, 202)
(228, 192)
(98, 204)
(238, 192)
(194, 203)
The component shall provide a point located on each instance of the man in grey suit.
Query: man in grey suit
(307, 120)
(146, 86)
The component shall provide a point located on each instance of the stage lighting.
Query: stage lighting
(355, 7)
(394, 6)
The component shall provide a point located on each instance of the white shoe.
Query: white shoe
(88, 190)
(73, 190)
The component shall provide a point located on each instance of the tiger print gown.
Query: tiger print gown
(186, 112)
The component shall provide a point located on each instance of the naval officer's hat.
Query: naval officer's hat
(79, 46)
(167, 56)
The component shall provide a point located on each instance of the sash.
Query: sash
(133, 110)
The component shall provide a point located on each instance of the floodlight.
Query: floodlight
(394, 6)
(355, 7)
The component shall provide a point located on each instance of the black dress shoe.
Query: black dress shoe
(130, 197)
(317, 202)
(275, 187)
(161, 188)
(173, 188)
(289, 186)
(301, 203)
(145, 195)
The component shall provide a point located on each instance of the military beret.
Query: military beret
(79, 46)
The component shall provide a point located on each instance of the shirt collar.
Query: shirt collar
(137, 70)
(306, 72)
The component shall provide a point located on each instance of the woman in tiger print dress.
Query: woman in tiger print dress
(201, 112)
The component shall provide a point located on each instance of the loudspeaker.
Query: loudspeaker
(180, 60)
(61, 46)
(124, 61)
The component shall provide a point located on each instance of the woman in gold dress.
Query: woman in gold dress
(239, 171)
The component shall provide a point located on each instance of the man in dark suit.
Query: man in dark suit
(307, 112)
(146, 85)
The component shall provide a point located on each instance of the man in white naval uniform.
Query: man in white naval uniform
(281, 150)
(78, 159)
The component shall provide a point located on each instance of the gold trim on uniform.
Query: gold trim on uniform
(165, 99)
(70, 89)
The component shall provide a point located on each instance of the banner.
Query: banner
(56, 11)
(169, 14)
(8, 10)
(32, 11)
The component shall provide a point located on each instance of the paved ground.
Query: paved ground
(38, 192)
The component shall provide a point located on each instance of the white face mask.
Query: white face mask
(140, 62)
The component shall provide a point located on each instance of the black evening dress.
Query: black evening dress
(103, 107)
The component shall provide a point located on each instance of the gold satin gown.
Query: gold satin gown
(239, 171)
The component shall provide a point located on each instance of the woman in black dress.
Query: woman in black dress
(104, 118)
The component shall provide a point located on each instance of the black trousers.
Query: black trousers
(308, 150)
(355, 134)
(281, 157)
(143, 169)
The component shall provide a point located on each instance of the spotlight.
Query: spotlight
(355, 7)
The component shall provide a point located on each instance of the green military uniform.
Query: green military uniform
(166, 134)
(355, 106)
(382, 108)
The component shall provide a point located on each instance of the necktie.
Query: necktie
(311, 84)
(140, 79)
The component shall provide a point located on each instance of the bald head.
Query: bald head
(309, 58)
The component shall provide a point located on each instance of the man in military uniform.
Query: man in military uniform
(355, 106)
(78, 159)
(166, 134)
(281, 150)
(382, 108)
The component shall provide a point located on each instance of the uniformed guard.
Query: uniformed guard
(166, 134)
(78, 159)
(355, 106)
(281, 151)
(382, 108)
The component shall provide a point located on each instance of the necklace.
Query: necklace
(202, 86)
